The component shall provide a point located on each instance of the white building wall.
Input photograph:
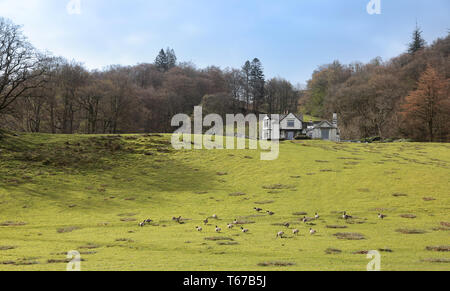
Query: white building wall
(297, 123)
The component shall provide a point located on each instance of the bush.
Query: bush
(302, 137)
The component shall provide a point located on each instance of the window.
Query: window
(291, 123)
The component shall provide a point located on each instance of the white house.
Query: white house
(292, 125)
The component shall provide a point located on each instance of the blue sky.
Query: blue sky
(291, 37)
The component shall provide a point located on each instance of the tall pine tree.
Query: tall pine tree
(257, 82)
(418, 43)
(166, 60)
(161, 61)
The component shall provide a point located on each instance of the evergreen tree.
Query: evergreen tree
(171, 58)
(161, 61)
(257, 82)
(418, 43)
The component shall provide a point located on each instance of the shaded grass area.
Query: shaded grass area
(88, 193)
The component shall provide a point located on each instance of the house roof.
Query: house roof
(298, 116)
(324, 124)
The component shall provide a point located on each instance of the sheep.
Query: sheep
(215, 216)
(244, 230)
(148, 221)
(305, 220)
(199, 229)
(280, 234)
(258, 209)
(312, 231)
(381, 216)
(317, 216)
(206, 221)
(218, 229)
(230, 226)
(287, 225)
(345, 216)
(295, 231)
(270, 212)
(142, 224)
(235, 221)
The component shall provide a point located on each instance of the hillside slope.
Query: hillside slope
(88, 193)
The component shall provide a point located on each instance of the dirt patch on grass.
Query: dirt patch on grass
(331, 251)
(127, 214)
(300, 213)
(349, 236)
(411, 231)
(409, 216)
(67, 229)
(6, 248)
(227, 243)
(61, 261)
(278, 187)
(125, 240)
(439, 248)
(427, 199)
(12, 223)
(264, 202)
(361, 253)
(221, 173)
(243, 222)
(436, 260)
(276, 264)
(129, 219)
(89, 246)
(400, 195)
(219, 238)
(337, 226)
(237, 194)
(385, 250)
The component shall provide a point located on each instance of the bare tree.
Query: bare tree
(21, 67)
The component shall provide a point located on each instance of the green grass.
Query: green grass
(60, 193)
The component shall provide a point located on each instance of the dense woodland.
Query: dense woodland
(406, 97)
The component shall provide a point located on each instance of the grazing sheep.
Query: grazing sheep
(244, 230)
(230, 226)
(148, 221)
(280, 234)
(312, 231)
(218, 229)
(206, 221)
(287, 225)
(199, 229)
(345, 216)
(142, 224)
(317, 216)
(258, 209)
(381, 216)
(235, 221)
(270, 212)
(215, 216)
(177, 219)
(305, 220)
(295, 231)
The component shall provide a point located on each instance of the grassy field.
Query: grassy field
(88, 193)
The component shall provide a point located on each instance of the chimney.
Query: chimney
(335, 119)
